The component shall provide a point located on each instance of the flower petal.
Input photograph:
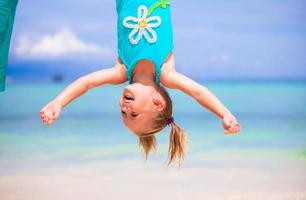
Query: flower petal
(142, 12)
(154, 21)
(130, 22)
(147, 35)
(139, 36)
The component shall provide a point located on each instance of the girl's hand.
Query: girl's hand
(50, 112)
(230, 124)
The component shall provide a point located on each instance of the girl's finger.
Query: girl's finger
(46, 119)
(237, 128)
(227, 125)
(234, 130)
(49, 121)
(231, 128)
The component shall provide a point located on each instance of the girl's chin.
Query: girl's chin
(139, 86)
(136, 89)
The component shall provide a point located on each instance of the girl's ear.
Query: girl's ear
(159, 105)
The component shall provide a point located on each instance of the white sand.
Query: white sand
(230, 176)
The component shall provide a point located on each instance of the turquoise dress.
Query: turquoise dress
(144, 31)
(7, 15)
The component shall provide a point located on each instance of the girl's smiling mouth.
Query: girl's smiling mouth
(128, 97)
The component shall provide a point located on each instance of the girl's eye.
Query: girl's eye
(134, 114)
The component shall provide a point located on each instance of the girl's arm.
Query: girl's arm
(175, 80)
(200, 93)
(114, 76)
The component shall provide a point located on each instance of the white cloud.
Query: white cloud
(60, 44)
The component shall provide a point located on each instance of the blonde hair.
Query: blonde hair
(177, 139)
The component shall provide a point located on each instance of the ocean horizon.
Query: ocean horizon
(88, 153)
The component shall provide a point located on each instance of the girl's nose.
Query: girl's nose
(125, 108)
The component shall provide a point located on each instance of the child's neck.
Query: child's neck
(144, 73)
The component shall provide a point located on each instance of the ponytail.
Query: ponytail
(177, 144)
(148, 143)
(178, 138)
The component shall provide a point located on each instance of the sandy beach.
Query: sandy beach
(219, 175)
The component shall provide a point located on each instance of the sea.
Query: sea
(87, 153)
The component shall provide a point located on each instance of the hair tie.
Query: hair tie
(170, 121)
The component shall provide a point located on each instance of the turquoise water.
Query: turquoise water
(272, 117)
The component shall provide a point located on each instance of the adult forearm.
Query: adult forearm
(73, 91)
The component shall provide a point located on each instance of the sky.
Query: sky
(232, 40)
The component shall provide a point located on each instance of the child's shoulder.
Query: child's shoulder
(118, 73)
(120, 66)
(169, 64)
(168, 68)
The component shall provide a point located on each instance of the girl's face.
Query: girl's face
(139, 105)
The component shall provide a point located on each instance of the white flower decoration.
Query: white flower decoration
(143, 25)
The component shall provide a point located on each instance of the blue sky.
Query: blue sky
(218, 39)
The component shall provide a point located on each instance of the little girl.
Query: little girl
(146, 61)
